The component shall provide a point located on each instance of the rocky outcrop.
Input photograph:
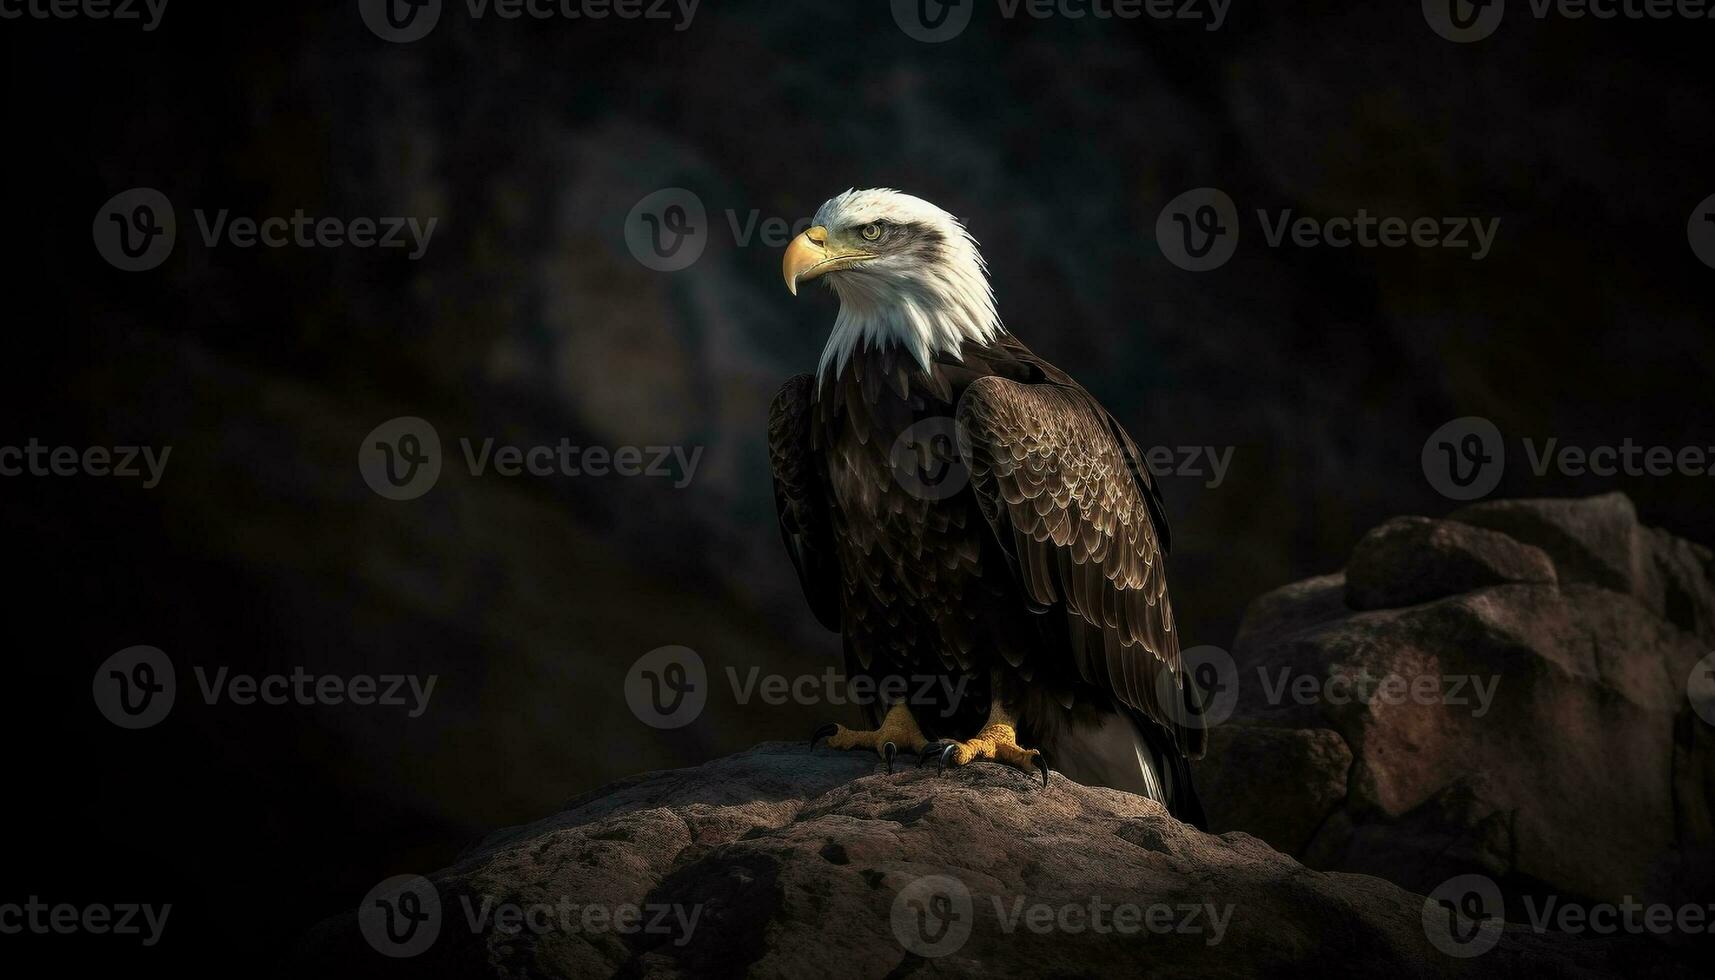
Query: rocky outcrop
(1410, 560)
(781, 862)
(1504, 693)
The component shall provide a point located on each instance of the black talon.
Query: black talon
(822, 733)
(929, 749)
(947, 754)
(889, 750)
(1042, 764)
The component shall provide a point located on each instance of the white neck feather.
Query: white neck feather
(928, 310)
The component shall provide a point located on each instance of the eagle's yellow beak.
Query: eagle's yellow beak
(808, 257)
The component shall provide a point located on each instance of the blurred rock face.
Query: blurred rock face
(1502, 717)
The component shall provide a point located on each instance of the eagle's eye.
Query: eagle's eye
(871, 232)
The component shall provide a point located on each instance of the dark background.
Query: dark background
(528, 320)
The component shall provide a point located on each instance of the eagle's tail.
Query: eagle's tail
(1131, 753)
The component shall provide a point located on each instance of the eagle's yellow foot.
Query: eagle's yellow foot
(898, 730)
(997, 742)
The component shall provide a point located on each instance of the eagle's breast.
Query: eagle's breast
(907, 531)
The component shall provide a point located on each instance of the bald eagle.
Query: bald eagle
(980, 531)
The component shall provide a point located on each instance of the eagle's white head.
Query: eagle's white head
(906, 272)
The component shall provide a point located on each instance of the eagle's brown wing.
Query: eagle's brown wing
(1068, 500)
(799, 499)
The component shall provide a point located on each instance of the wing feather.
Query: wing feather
(1063, 489)
(800, 500)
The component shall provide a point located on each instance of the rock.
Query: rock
(783, 862)
(1598, 540)
(1291, 780)
(1535, 732)
(1410, 560)
(1594, 539)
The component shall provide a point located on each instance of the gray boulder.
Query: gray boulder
(780, 862)
(1410, 560)
(1451, 705)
